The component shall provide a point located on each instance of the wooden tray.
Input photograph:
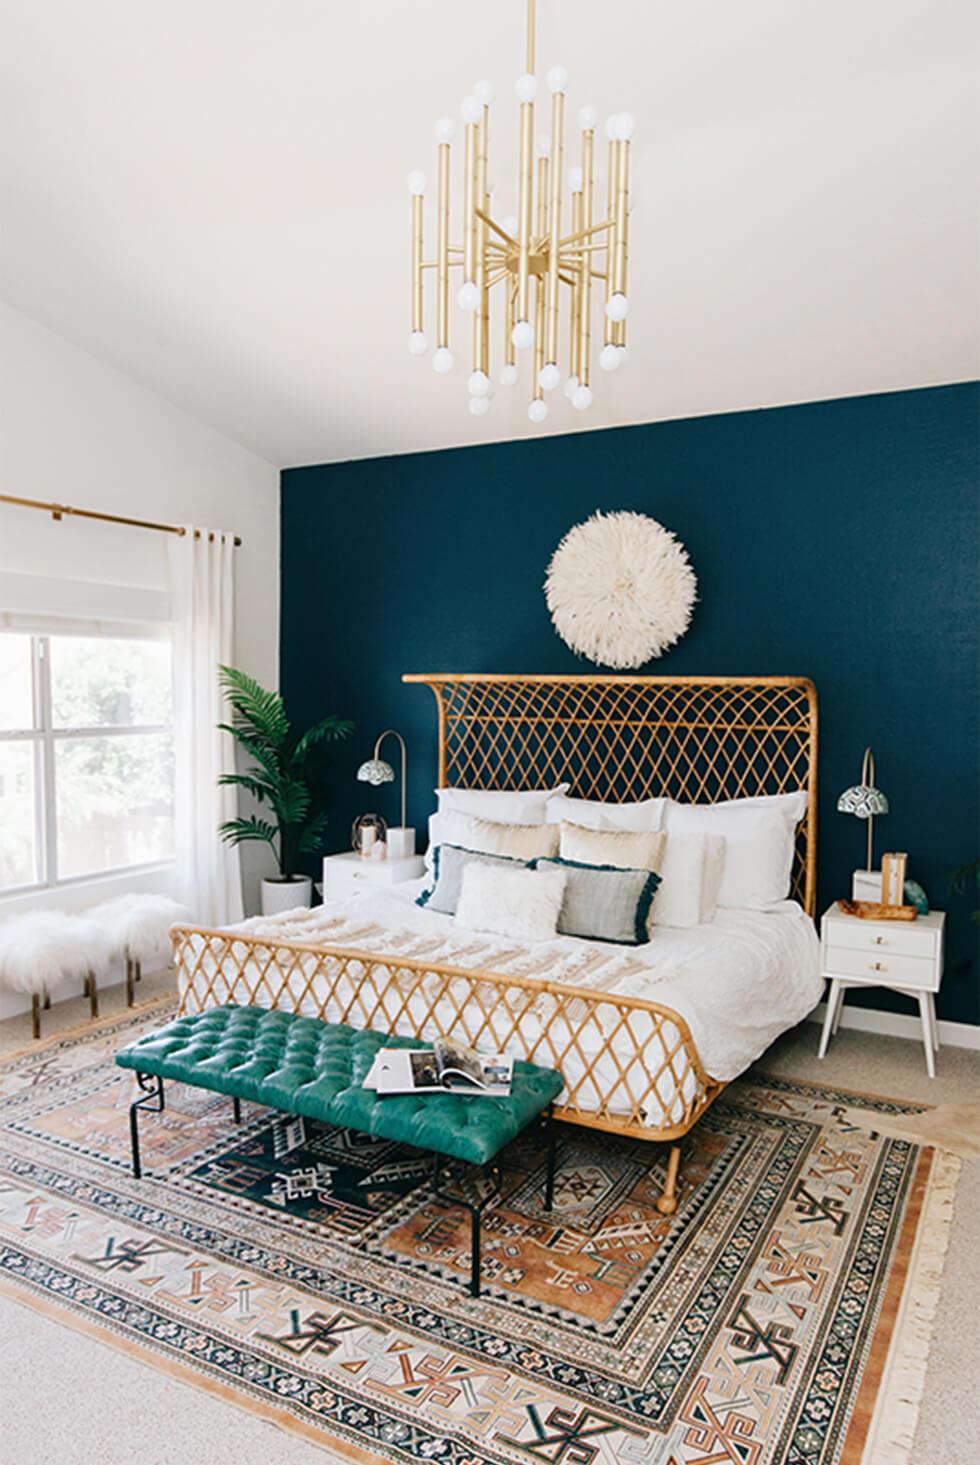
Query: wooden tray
(871, 910)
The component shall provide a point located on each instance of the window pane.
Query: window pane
(100, 682)
(16, 702)
(18, 853)
(115, 802)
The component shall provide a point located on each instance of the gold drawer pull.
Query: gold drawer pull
(881, 940)
(877, 966)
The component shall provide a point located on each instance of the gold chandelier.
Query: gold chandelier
(529, 256)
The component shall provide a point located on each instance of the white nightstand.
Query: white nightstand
(906, 956)
(348, 874)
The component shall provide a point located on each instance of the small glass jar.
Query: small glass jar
(367, 832)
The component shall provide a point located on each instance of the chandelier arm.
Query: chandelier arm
(578, 294)
(524, 210)
(586, 233)
(557, 151)
(584, 256)
(609, 328)
(442, 251)
(482, 214)
(622, 232)
(469, 204)
(417, 264)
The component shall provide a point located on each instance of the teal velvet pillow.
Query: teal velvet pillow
(604, 902)
(448, 863)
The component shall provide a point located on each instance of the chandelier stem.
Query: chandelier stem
(529, 67)
(481, 319)
(417, 206)
(621, 217)
(469, 204)
(442, 250)
(585, 314)
(579, 292)
(557, 153)
(524, 210)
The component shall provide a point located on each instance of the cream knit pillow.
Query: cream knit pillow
(517, 841)
(625, 850)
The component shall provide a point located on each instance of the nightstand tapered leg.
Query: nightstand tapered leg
(935, 1024)
(924, 1013)
(833, 998)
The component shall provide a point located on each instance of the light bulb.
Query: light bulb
(548, 377)
(571, 386)
(609, 357)
(483, 91)
(522, 335)
(416, 182)
(587, 118)
(627, 125)
(612, 127)
(582, 398)
(417, 343)
(575, 180)
(538, 410)
(542, 145)
(557, 79)
(526, 87)
(617, 306)
(442, 361)
(509, 226)
(508, 374)
(470, 109)
(479, 406)
(468, 297)
(445, 130)
(478, 384)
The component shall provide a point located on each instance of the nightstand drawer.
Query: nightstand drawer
(341, 884)
(884, 938)
(882, 967)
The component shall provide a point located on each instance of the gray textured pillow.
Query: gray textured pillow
(604, 902)
(448, 863)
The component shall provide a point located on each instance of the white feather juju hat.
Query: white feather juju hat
(620, 589)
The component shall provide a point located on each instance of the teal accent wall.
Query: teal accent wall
(837, 540)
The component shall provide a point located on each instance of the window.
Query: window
(86, 756)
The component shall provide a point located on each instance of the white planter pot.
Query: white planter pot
(286, 895)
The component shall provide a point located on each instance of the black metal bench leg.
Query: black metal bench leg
(549, 1184)
(151, 1098)
(475, 1258)
(236, 1108)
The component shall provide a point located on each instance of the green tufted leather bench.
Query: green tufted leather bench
(300, 1065)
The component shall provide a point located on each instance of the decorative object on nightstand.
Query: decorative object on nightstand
(367, 832)
(905, 956)
(401, 841)
(349, 874)
(864, 800)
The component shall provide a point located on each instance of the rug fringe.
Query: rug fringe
(896, 1416)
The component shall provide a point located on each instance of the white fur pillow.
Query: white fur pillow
(524, 904)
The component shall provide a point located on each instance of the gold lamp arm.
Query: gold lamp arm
(390, 732)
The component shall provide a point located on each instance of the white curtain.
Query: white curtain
(202, 575)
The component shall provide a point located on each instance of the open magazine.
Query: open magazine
(446, 1065)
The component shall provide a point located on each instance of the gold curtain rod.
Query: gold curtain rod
(61, 511)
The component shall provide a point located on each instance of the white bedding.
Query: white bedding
(739, 982)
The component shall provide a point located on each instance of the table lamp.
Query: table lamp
(401, 840)
(865, 801)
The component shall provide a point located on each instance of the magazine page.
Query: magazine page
(404, 1071)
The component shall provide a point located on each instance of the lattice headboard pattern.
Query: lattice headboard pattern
(698, 739)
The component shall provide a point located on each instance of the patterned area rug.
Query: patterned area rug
(781, 1317)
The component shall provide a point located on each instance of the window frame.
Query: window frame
(44, 737)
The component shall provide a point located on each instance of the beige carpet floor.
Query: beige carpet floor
(67, 1397)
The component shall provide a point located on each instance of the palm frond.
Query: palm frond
(241, 831)
(259, 787)
(291, 801)
(258, 712)
(312, 837)
(330, 730)
(267, 758)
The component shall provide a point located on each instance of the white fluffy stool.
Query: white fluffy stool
(43, 949)
(138, 929)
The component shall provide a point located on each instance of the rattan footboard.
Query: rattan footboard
(630, 1065)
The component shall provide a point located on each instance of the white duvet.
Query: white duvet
(738, 982)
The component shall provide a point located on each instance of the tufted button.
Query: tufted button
(303, 1066)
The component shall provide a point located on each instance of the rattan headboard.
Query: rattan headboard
(699, 739)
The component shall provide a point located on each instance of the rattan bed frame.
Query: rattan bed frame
(698, 739)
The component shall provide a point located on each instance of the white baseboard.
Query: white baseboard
(901, 1025)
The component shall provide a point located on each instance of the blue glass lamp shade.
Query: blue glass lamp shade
(376, 771)
(864, 800)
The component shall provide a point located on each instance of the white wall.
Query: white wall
(74, 431)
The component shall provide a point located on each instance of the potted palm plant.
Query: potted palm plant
(279, 780)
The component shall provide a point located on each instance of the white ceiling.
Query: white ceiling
(210, 195)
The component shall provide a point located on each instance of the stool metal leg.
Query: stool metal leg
(92, 993)
(151, 1098)
(236, 1108)
(549, 1184)
(35, 1015)
(129, 981)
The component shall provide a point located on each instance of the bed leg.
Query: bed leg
(667, 1204)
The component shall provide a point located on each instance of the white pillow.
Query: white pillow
(523, 904)
(488, 836)
(760, 838)
(791, 806)
(506, 806)
(590, 814)
(620, 847)
(690, 872)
